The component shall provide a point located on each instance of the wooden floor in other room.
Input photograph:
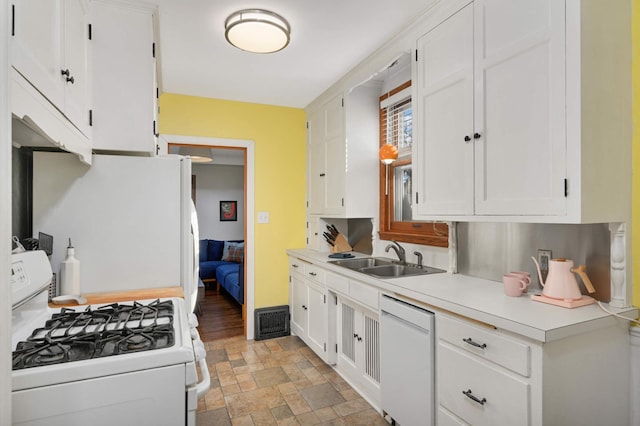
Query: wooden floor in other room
(221, 316)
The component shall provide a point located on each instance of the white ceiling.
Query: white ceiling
(328, 38)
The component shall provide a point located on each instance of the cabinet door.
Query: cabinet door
(335, 179)
(36, 49)
(347, 339)
(123, 77)
(335, 151)
(520, 107)
(316, 163)
(443, 152)
(359, 348)
(298, 305)
(371, 349)
(317, 328)
(76, 60)
(480, 393)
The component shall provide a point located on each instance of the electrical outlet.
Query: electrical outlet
(544, 256)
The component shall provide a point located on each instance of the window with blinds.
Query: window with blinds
(396, 118)
(396, 201)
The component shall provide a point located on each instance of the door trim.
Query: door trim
(249, 232)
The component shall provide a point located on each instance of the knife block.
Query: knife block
(341, 245)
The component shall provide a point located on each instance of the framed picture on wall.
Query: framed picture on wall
(228, 211)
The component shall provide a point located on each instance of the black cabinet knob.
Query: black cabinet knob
(467, 139)
(67, 73)
(476, 136)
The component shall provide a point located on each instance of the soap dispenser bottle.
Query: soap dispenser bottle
(70, 273)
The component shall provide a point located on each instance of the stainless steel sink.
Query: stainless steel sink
(394, 271)
(384, 268)
(366, 262)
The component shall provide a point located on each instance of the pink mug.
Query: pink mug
(525, 276)
(514, 285)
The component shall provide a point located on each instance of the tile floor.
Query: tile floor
(277, 382)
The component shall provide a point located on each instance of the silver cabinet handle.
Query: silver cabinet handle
(470, 394)
(470, 341)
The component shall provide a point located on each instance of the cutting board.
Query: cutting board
(127, 296)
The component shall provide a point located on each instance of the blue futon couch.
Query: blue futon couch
(222, 262)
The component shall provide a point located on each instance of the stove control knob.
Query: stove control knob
(193, 320)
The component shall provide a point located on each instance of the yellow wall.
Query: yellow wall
(635, 70)
(279, 134)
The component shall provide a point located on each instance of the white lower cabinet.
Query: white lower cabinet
(359, 348)
(488, 377)
(478, 392)
(317, 318)
(483, 377)
(309, 305)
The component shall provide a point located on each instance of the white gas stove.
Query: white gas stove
(121, 363)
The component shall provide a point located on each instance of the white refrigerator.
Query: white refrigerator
(130, 219)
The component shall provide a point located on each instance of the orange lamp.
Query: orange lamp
(388, 153)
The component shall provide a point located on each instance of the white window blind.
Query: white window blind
(397, 120)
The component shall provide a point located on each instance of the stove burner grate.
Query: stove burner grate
(114, 329)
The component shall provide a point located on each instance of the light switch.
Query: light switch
(263, 217)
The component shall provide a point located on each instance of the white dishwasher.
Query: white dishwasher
(406, 362)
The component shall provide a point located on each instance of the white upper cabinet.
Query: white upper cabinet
(519, 81)
(316, 162)
(76, 54)
(342, 155)
(123, 77)
(523, 113)
(36, 46)
(50, 49)
(443, 157)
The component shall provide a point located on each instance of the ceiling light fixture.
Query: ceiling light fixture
(198, 155)
(257, 30)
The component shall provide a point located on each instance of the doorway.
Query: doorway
(225, 150)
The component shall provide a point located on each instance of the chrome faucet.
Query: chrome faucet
(399, 251)
(419, 255)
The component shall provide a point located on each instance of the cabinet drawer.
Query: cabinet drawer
(501, 398)
(445, 418)
(296, 265)
(364, 294)
(337, 282)
(485, 343)
(315, 273)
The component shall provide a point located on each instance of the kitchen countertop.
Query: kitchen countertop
(483, 300)
(127, 296)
